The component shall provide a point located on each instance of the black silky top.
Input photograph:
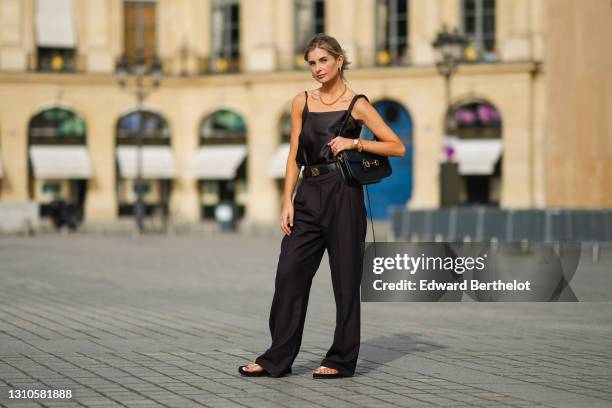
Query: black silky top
(318, 129)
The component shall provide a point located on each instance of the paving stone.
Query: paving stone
(165, 321)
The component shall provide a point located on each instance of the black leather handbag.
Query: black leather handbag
(361, 167)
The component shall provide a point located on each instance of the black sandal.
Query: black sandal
(262, 373)
(333, 375)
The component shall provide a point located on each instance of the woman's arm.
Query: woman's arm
(388, 143)
(291, 168)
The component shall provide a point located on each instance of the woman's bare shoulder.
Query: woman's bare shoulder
(298, 100)
(299, 97)
(361, 107)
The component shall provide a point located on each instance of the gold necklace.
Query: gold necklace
(337, 99)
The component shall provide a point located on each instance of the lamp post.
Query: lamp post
(139, 79)
(449, 47)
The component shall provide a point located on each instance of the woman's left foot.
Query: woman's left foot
(252, 370)
(325, 372)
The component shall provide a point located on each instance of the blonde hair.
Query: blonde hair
(329, 44)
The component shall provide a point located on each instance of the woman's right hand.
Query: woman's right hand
(287, 218)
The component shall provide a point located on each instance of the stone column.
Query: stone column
(183, 120)
(449, 12)
(517, 166)
(423, 25)
(257, 36)
(14, 145)
(16, 34)
(364, 34)
(283, 34)
(340, 24)
(94, 22)
(201, 29)
(427, 107)
(513, 30)
(101, 197)
(263, 138)
(170, 34)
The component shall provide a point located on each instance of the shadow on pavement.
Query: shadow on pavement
(379, 351)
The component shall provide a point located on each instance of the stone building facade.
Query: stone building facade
(236, 63)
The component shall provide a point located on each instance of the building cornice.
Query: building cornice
(245, 79)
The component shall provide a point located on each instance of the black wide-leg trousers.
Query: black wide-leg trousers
(328, 214)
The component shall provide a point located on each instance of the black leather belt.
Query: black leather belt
(314, 171)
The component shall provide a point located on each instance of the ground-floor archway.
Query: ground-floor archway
(395, 190)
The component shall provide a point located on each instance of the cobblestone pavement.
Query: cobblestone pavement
(165, 321)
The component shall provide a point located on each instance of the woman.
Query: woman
(326, 213)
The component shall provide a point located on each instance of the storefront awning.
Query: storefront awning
(55, 25)
(475, 157)
(60, 162)
(278, 162)
(218, 162)
(157, 162)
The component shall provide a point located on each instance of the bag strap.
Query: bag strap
(350, 109)
(371, 222)
(348, 115)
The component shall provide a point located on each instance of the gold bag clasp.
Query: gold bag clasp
(368, 163)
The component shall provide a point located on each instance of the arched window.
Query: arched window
(152, 126)
(474, 120)
(223, 126)
(59, 164)
(220, 162)
(148, 169)
(473, 150)
(57, 126)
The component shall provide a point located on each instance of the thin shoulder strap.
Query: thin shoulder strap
(304, 120)
(305, 109)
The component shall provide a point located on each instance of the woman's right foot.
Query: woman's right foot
(255, 370)
(252, 370)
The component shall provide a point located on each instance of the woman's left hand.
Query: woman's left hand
(339, 143)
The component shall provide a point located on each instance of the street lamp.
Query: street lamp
(449, 47)
(140, 79)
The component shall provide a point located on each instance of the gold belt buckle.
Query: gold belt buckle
(314, 171)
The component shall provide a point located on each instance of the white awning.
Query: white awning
(60, 162)
(218, 162)
(475, 157)
(278, 162)
(157, 162)
(55, 26)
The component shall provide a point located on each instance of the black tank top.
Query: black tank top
(318, 128)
